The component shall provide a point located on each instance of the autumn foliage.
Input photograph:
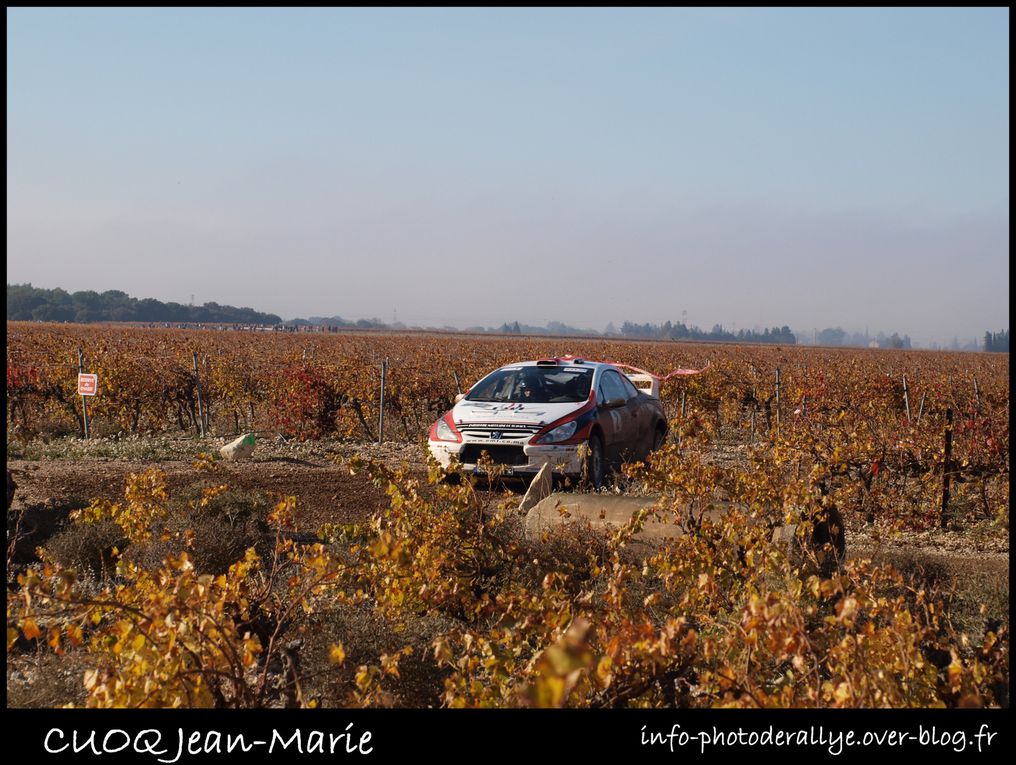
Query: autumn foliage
(721, 616)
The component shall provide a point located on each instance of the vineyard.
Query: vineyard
(466, 610)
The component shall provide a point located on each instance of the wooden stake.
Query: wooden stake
(777, 401)
(946, 466)
(201, 408)
(84, 399)
(381, 408)
(906, 398)
(208, 404)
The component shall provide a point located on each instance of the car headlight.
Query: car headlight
(560, 433)
(444, 431)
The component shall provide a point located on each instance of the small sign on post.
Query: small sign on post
(87, 384)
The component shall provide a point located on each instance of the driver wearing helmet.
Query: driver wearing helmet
(530, 386)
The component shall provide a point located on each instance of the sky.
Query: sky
(743, 167)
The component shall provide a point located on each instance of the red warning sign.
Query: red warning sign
(87, 384)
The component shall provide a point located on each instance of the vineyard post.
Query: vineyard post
(946, 465)
(682, 419)
(906, 398)
(201, 408)
(920, 407)
(777, 401)
(84, 399)
(977, 395)
(208, 404)
(381, 408)
(458, 387)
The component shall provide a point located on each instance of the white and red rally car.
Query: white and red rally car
(581, 417)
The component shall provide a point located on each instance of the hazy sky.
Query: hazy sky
(750, 167)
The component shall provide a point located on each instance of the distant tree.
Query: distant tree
(831, 336)
(996, 342)
(25, 302)
(22, 299)
(89, 299)
(149, 309)
(53, 312)
(86, 316)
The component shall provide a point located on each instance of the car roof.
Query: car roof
(561, 362)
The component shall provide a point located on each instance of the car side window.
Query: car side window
(629, 388)
(612, 386)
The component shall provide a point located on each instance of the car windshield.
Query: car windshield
(537, 385)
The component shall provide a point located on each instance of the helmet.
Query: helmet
(529, 382)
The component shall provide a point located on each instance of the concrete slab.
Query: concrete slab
(600, 511)
(611, 511)
(540, 488)
(240, 449)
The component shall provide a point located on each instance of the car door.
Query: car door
(620, 424)
(644, 418)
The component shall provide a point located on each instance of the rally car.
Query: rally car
(582, 417)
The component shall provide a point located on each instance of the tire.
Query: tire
(596, 466)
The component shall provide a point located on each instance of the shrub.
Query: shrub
(88, 548)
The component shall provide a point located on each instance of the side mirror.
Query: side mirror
(459, 397)
(613, 403)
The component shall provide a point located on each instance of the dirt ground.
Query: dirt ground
(317, 474)
(325, 491)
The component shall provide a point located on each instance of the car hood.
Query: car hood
(473, 412)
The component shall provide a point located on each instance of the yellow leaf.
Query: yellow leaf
(337, 654)
(30, 629)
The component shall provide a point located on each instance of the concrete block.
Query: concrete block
(539, 489)
(240, 449)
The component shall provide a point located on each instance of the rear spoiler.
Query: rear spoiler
(645, 381)
(649, 383)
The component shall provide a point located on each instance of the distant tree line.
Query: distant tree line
(997, 342)
(515, 328)
(837, 336)
(680, 331)
(28, 303)
(665, 331)
(340, 323)
(552, 328)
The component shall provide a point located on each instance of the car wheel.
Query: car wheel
(596, 468)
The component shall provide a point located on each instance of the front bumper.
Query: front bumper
(566, 459)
